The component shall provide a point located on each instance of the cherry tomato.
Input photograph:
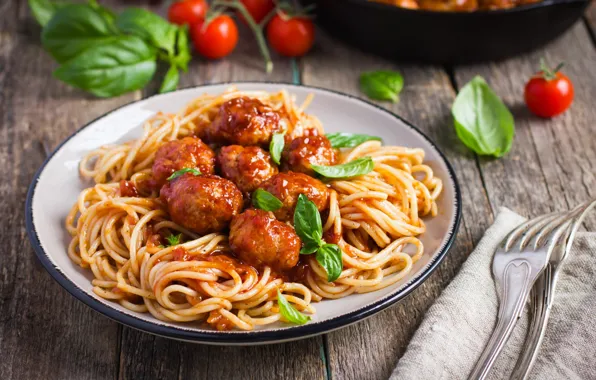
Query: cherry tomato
(217, 39)
(258, 9)
(548, 93)
(291, 37)
(187, 11)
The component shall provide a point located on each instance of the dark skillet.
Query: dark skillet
(447, 37)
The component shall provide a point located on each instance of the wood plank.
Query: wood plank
(45, 333)
(591, 20)
(150, 357)
(370, 349)
(552, 164)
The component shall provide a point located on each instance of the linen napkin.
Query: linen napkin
(458, 325)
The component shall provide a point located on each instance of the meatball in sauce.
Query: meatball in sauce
(246, 167)
(288, 186)
(244, 121)
(202, 204)
(189, 152)
(305, 151)
(258, 239)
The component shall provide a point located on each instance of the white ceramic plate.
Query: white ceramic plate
(57, 185)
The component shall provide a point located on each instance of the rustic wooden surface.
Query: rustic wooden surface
(45, 333)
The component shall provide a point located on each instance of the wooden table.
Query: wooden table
(45, 333)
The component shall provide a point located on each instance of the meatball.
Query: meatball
(189, 152)
(258, 239)
(246, 167)
(244, 121)
(203, 204)
(288, 186)
(309, 150)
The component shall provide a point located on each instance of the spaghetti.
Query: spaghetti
(118, 224)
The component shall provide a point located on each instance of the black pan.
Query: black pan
(447, 37)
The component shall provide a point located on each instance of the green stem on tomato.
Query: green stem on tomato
(257, 29)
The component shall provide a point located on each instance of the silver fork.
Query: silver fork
(517, 263)
(542, 295)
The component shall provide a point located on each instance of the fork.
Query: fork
(519, 260)
(542, 295)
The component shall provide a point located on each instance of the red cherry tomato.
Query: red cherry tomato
(258, 9)
(292, 37)
(187, 11)
(548, 94)
(217, 39)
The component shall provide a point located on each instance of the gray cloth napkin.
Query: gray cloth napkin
(458, 325)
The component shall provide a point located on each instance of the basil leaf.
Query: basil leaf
(276, 146)
(289, 312)
(329, 256)
(75, 28)
(382, 85)
(264, 200)
(123, 65)
(482, 122)
(182, 50)
(43, 10)
(170, 81)
(174, 239)
(106, 13)
(310, 247)
(307, 221)
(150, 27)
(349, 140)
(180, 172)
(354, 168)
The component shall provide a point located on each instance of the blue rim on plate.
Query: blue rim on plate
(246, 337)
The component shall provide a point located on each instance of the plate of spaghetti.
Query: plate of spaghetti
(243, 213)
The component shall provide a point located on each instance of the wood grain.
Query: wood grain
(591, 20)
(44, 332)
(370, 349)
(145, 356)
(552, 164)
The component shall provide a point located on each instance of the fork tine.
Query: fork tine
(519, 231)
(552, 232)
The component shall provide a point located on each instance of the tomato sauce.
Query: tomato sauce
(128, 189)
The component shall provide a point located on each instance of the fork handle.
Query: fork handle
(542, 302)
(517, 280)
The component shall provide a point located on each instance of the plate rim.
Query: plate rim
(245, 337)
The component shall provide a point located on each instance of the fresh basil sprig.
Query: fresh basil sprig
(349, 140)
(482, 122)
(130, 66)
(382, 84)
(108, 54)
(289, 312)
(307, 223)
(180, 172)
(43, 10)
(264, 200)
(358, 167)
(276, 146)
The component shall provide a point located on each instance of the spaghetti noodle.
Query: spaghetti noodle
(116, 227)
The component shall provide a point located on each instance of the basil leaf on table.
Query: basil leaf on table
(150, 27)
(170, 81)
(482, 122)
(307, 221)
(358, 167)
(289, 312)
(75, 28)
(180, 172)
(264, 200)
(382, 84)
(329, 256)
(125, 64)
(349, 140)
(182, 56)
(276, 147)
(43, 10)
